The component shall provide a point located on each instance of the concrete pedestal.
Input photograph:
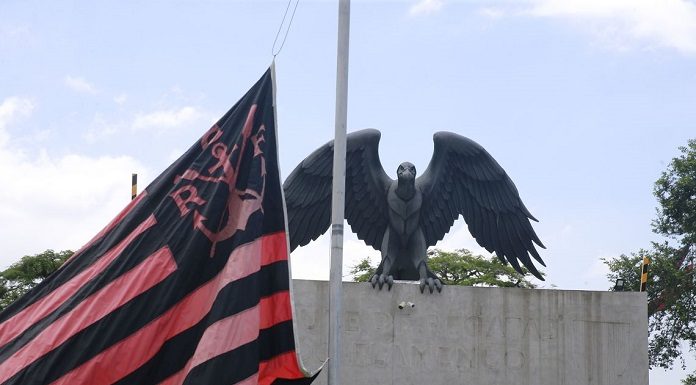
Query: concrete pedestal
(478, 336)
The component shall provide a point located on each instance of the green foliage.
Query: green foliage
(23, 275)
(671, 300)
(671, 304)
(627, 268)
(363, 271)
(460, 267)
(676, 194)
(671, 285)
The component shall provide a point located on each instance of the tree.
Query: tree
(363, 271)
(460, 267)
(689, 380)
(671, 286)
(23, 275)
(676, 194)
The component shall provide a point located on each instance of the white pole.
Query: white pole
(338, 194)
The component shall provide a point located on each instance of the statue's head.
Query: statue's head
(406, 171)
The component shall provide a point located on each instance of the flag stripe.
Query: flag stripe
(273, 248)
(21, 321)
(235, 297)
(142, 345)
(251, 380)
(227, 368)
(234, 331)
(221, 337)
(275, 340)
(246, 359)
(129, 285)
(274, 309)
(283, 365)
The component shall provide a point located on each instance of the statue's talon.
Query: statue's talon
(373, 281)
(378, 280)
(431, 285)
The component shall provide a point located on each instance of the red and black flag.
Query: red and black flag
(188, 285)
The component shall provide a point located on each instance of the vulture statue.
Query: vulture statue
(402, 218)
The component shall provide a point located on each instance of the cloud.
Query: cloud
(492, 12)
(120, 99)
(15, 34)
(101, 128)
(619, 24)
(424, 7)
(79, 84)
(313, 261)
(598, 269)
(164, 119)
(50, 201)
(459, 237)
(595, 275)
(11, 109)
(157, 122)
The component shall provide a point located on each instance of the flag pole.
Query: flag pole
(338, 194)
(134, 186)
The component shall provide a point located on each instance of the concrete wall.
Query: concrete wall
(478, 336)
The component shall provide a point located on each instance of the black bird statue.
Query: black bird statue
(402, 218)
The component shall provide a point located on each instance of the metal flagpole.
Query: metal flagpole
(338, 194)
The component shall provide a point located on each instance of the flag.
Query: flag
(189, 284)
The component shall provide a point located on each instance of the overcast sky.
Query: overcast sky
(583, 102)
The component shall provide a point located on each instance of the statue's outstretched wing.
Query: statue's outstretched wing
(463, 178)
(308, 192)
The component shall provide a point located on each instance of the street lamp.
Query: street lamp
(619, 285)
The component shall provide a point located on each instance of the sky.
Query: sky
(583, 102)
